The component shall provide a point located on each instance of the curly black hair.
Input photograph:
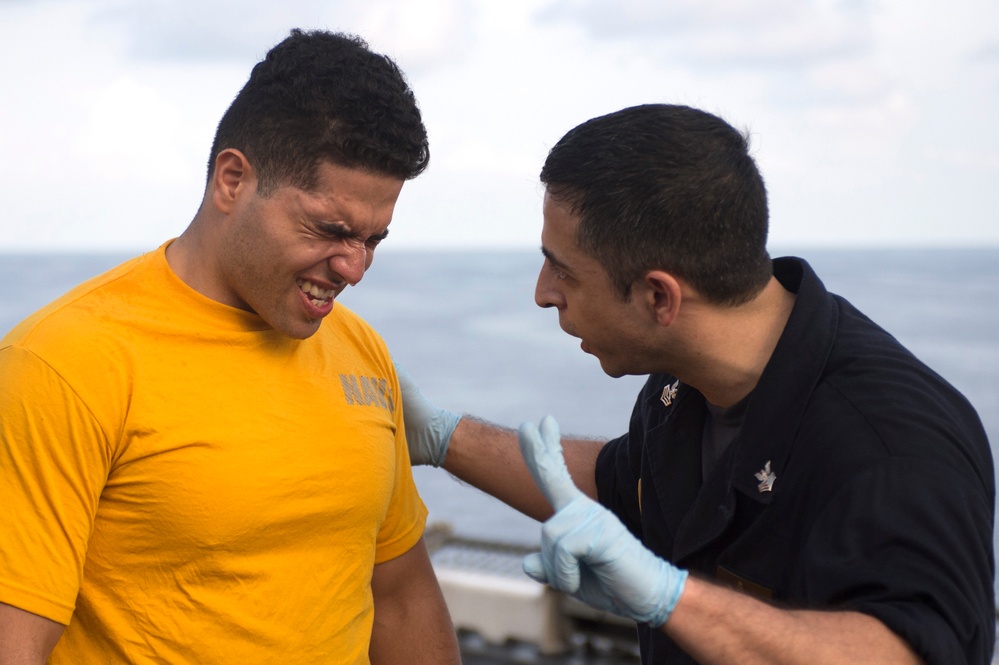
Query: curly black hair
(321, 96)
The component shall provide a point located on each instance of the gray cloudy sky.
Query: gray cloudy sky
(874, 121)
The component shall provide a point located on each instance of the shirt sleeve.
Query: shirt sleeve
(54, 463)
(904, 542)
(407, 514)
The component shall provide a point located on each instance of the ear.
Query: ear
(232, 177)
(665, 295)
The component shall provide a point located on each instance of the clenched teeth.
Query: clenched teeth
(319, 296)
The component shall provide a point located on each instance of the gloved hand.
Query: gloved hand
(585, 550)
(428, 428)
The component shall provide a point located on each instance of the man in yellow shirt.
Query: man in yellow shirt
(202, 457)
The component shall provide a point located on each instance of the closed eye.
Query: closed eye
(376, 239)
(334, 231)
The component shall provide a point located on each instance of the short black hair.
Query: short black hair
(666, 187)
(320, 96)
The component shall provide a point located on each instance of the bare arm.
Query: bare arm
(717, 626)
(412, 625)
(26, 638)
(485, 455)
(488, 457)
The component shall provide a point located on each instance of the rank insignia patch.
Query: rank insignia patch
(766, 478)
(669, 393)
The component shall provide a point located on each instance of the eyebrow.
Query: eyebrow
(551, 259)
(342, 229)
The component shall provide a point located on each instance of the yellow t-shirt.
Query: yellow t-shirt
(182, 484)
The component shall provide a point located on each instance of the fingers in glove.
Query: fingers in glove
(542, 451)
(534, 568)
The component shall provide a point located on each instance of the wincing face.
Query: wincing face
(618, 331)
(288, 255)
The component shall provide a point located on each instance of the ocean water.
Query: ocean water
(466, 327)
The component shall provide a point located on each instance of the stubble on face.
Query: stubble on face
(616, 329)
(282, 244)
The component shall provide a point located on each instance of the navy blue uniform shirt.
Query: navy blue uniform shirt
(860, 480)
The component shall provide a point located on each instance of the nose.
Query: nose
(350, 262)
(546, 292)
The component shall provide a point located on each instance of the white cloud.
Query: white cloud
(424, 34)
(872, 122)
(725, 33)
(128, 123)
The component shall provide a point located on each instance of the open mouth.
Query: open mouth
(317, 296)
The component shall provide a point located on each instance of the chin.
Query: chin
(305, 333)
(301, 331)
(610, 370)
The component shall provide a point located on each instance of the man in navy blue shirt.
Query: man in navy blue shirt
(794, 485)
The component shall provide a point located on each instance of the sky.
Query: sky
(874, 122)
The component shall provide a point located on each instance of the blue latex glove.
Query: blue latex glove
(585, 550)
(428, 428)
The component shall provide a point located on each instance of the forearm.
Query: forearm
(421, 635)
(26, 638)
(717, 625)
(488, 457)
(412, 625)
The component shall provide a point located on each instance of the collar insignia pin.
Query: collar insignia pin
(669, 393)
(766, 478)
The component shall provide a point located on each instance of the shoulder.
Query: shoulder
(908, 406)
(79, 344)
(62, 319)
(876, 413)
(861, 392)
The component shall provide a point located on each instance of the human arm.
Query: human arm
(486, 455)
(412, 625)
(716, 625)
(588, 553)
(26, 638)
(51, 480)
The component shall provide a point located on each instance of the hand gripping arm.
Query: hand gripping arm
(428, 428)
